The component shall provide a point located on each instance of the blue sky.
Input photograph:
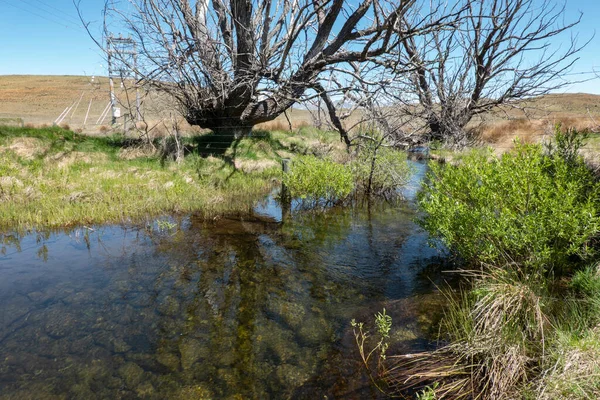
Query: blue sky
(45, 37)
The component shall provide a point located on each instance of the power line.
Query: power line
(54, 21)
(49, 7)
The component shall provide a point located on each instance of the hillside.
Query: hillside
(41, 99)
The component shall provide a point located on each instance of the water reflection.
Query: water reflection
(235, 308)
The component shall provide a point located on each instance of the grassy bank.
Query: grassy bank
(53, 177)
(525, 322)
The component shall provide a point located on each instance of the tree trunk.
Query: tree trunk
(225, 133)
(450, 130)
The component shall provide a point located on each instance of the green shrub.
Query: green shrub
(390, 170)
(319, 182)
(526, 207)
(518, 331)
(566, 144)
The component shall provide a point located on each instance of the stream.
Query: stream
(242, 307)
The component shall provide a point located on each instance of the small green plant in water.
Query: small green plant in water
(380, 170)
(428, 393)
(383, 326)
(164, 225)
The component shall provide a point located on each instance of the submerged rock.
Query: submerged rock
(35, 391)
(82, 391)
(132, 374)
(315, 330)
(59, 322)
(169, 360)
(81, 297)
(291, 375)
(292, 313)
(37, 297)
(169, 306)
(82, 345)
(196, 392)
(191, 350)
(97, 370)
(120, 346)
(13, 311)
(144, 390)
(140, 300)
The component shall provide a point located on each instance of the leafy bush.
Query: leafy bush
(318, 181)
(389, 167)
(526, 207)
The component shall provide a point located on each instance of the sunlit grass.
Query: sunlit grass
(53, 177)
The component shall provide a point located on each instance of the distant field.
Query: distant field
(40, 100)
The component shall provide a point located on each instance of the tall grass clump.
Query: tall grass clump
(319, 182)
(526, 322)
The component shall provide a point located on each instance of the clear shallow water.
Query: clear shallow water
(245, 307)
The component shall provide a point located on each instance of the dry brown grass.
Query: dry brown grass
(41, 99)
(501, 134)
(64, 160)
(249, 166)
(27, 147)
(131, 153)
(298, 119)
(575, 372)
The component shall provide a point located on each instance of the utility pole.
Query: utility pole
(122, 63)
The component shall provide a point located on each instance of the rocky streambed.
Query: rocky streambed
(245, 307)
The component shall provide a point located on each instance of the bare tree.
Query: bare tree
(497, 52)
(231, 64)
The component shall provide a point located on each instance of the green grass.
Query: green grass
(53, 178)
